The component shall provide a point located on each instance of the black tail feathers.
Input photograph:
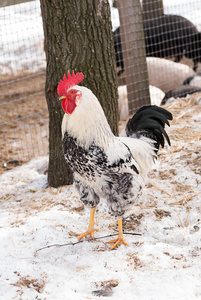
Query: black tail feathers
(149, 121)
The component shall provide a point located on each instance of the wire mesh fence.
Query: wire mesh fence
(23, 108)
(155, 52)
(168, 35)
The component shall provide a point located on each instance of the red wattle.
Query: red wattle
(68, 106)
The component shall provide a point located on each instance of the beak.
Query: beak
(62, 97)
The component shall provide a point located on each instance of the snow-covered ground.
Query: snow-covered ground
(21, 38)
(39, 250)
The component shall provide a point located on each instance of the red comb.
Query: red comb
(68, 82)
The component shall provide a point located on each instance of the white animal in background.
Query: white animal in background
(166, 74)
(123, 103)
(156, 95)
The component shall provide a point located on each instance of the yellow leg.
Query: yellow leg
(91, 229)
(120, 240)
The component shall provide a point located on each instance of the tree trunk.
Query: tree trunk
(78, 36)
(152, 9)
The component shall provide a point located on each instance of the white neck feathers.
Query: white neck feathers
(88, 123)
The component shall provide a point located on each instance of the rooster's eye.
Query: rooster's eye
(72, 92)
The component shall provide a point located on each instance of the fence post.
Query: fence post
(134, 54)
(152, 9)
(4, 3)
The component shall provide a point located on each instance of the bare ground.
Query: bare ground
(24, 119)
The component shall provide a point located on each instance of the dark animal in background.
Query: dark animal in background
(180, 91)
(172, 36)
(118, 51)
(194, 80)
(165, 37)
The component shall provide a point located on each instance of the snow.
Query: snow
(41, 257)
(21, 38)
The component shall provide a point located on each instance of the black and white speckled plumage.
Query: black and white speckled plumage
(106, 166)
(96, 177)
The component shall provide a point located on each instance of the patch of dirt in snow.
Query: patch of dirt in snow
(24, 119)
(42, 258)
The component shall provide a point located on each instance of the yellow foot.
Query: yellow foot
(91, 229)
(118, 241)
(88, 232)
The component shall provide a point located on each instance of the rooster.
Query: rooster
(105, 166)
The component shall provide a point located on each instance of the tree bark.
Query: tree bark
(152, 9)
(78, 36)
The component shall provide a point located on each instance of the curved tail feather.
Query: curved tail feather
(149, 121)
